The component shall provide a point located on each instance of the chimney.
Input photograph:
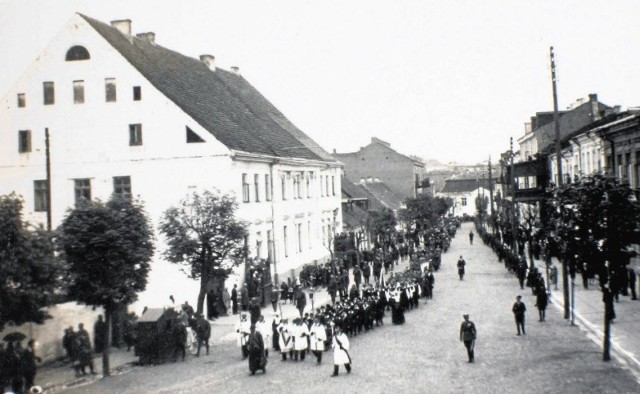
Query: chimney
(123, 26)
(595, 110)
(235, 70)
(149, 37)
(209, 60)
(334, 151)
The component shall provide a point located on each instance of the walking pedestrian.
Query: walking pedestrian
(29, 367)
(461, 264)
(519, 309)
(257, 358)
(301, 301)
(632, 283)
(99, 331)
(318, 334)
(203, 333)
(554, 276)
(471, 237)
(541, 302)
(340, 344)
(468, 336)
(234, 299)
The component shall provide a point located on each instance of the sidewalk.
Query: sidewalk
(589, 315)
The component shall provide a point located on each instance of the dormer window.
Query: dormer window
(192, 137)
(77, 52)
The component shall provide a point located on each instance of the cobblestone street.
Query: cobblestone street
(424, 354)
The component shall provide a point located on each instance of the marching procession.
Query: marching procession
(358, 310)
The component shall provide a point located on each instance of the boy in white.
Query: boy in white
(318, 336)
(285, 340)
(263, 328)
(300, 333)
(340, 346)
(243, 328)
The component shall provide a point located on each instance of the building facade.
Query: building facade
(405, 175)
(125, 115)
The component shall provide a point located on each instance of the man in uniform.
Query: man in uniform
(468, 336)
(518, 312)
(461, 264)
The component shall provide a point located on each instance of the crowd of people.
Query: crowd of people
(18, 366)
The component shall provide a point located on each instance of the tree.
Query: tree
(204, 235)
(30, 276)
(596, 221)
(424, 210)
(107, 248)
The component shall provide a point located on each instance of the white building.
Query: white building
(464, 192)
(126, 115)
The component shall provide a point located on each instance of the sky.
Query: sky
(443, 80)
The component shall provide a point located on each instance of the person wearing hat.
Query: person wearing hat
(519, 309)
(468, 336)
(340, 344)
(275, 335)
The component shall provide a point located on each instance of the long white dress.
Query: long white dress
(340, 355)
(318, 336)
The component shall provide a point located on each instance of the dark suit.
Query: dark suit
(518, 312)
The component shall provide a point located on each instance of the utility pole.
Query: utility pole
(48, 166)
(490, 188)
(556, 120)
(514, 241)
(556, 124)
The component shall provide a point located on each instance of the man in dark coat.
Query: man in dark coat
(461, 264)
(254, 310)
(29, 367)
(257, 358)
(234, 299)
(468, 336)
(99, 330)
(357, 276)
(301, 302)
(471, 237)
(366, 272)
(244, 298)
(67, 342)
(541, 302)
(519, 309)
(632, 283)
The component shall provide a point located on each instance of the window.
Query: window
(24, 141)
(284, 187)
(83, 190)
(40, 196)
(321, 185)
(285, 239)
(135, 134)
(77, 53)
(324, 235)
(326, 186)
(110, 89)
(122, 186)
(269, 245)
(22, 101)
(464, 201)
(49, 93)
(333, 185)
(245, 188)
(299, 232)
(256, 186)
(267, 188)
(296, 186)
(309, 234)
(78, 92)
(137, 93)
(308, 186)
(192, 137)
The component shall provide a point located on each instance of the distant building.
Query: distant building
(464, 192)
(405, 175)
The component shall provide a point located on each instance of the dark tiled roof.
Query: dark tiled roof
(351, 190)
(464, 185)
(384, 194)
(223, 103)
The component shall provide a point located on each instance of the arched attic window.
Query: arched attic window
(77, 52)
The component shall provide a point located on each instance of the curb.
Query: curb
(626, 358)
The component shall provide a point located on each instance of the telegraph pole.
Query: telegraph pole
(490, 187)
(48, 166)
(556, 120)
(556, 124)
(514, 241)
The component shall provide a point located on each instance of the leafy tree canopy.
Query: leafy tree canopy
(29, 274)
(108, 248)
(424, 210)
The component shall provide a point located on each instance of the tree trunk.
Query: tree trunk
(107, 341)
(204, 281)
(606, 354)
(565, 288)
